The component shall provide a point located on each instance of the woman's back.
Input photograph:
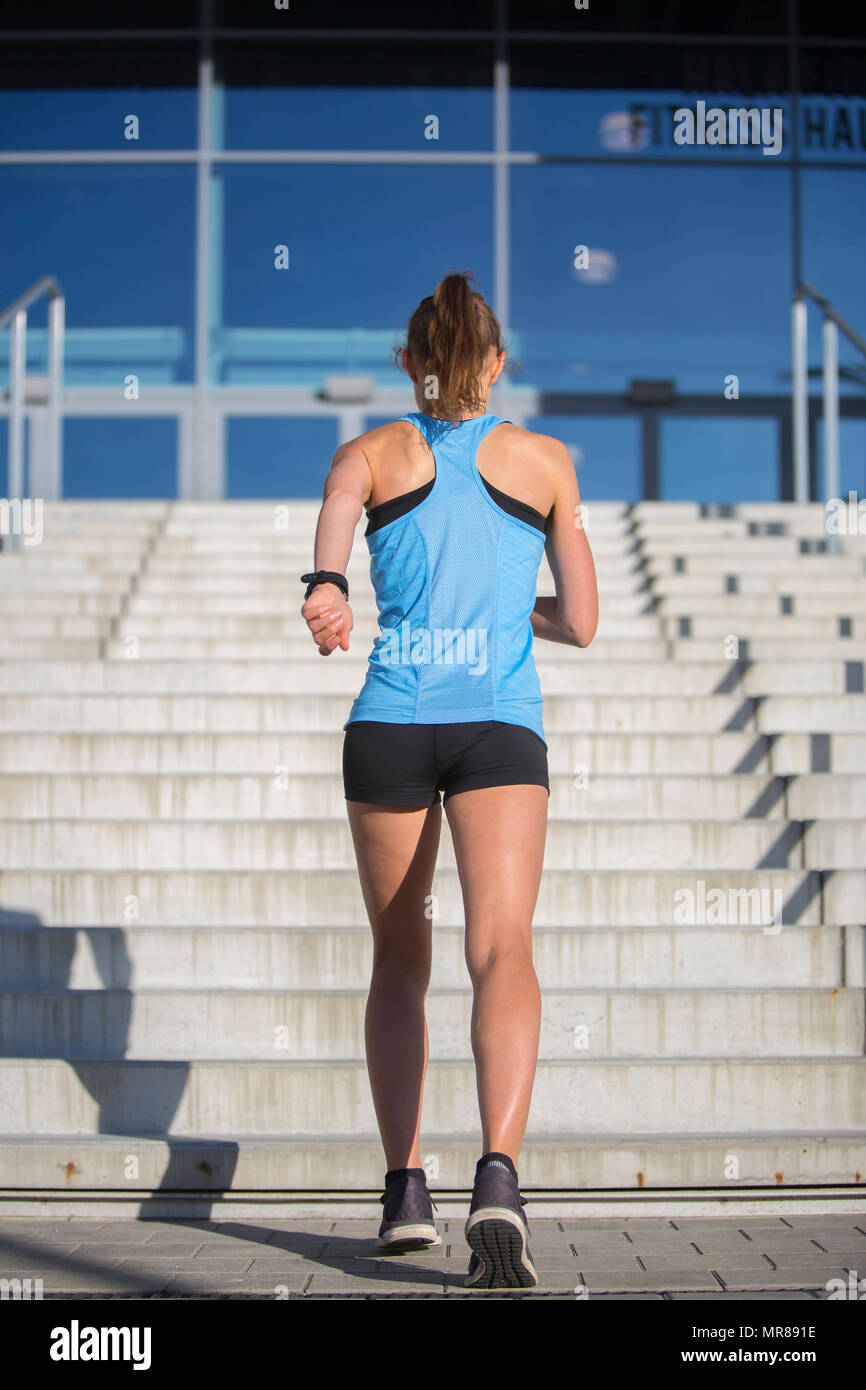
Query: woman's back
(454, 560)
(513, 459)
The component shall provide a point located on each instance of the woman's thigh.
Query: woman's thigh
(499, 835)
(396, 849)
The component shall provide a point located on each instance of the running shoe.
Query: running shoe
(407, 1217)
(496, 1232)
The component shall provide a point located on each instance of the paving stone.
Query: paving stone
(644, 1297)
(758, 1279)
(739, 1296)
(119, 1248)
(636, 1279)
(61, 1248)
(107, 1282)
(362, 1249)
(599, 1261)
(287, 1253)
(218, 1282)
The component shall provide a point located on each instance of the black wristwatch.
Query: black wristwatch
(324, 577)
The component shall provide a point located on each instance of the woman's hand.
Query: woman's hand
(329, 618)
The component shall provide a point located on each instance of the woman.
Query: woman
(460, 505)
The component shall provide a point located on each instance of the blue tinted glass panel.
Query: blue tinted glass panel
(271, 457)
(120, 458)
(833, 106)
(833, 218)
(717, 460)
(425, 97)
(353, 277)
(852, 457)
(94, 95)
(98, 120)
(833, 129)
(423, 120)
(685, 276)
(121, 242)
(629, 123)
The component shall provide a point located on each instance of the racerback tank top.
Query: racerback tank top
(454, 566)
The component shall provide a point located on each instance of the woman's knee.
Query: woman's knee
(402, 962)
(512, 952)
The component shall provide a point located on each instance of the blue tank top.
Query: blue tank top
(454, 565)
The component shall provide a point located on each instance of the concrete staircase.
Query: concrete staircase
(184, 952)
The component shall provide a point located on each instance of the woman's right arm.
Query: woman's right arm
(572, 616)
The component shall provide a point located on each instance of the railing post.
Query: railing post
(17, 365)
(800, 398)
(830, 337)
(56, 329)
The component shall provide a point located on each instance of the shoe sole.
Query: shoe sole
(497, 1237)
(417, 1236)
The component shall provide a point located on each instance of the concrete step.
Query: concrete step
(61, 563)
(48, 649)
(43, 582)
(289, 645)
(623, 616)
(224, 1098)
(787, 714)
(748, 627)
(294, 897)
(247, 1170)
(115, 713)
(288, 755)
(766, 584)
(617, 593)
(246, 621)
(650, 511)
(324, 844)
(766, 649)
(558, 676)
(51, 604)
(317, 957)
(193, 796)
(761, 565)
(316, 1025)
(617, 567)
(284, 642)
(742, 607)
(741, 545)
(20, 630)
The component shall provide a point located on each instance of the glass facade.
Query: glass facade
(243, 204)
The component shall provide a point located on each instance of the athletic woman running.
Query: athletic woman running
(460, 505)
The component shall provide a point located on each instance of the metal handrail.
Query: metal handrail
(15, 318)
(833, 324)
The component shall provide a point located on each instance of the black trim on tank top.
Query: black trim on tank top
(521, 510)
(386, 512)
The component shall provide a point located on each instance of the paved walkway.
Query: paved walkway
(728, 1258)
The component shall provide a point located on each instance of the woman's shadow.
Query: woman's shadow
(43, 1016)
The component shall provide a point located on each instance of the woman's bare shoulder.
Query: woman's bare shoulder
(544, 449)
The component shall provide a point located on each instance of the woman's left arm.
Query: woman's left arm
(347, 487)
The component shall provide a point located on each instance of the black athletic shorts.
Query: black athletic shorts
(408, 764)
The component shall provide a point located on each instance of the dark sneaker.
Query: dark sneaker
(407, 1217)
(496, 1232)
